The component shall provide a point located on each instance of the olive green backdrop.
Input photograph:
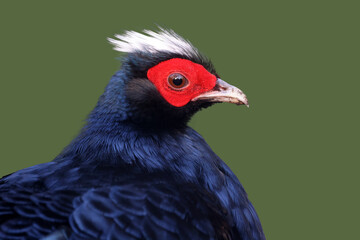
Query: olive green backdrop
(295, 149)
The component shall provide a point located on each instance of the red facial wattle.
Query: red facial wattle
(199, 80)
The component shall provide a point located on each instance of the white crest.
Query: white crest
(153, 42)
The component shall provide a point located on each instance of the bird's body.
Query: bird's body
(136, 171)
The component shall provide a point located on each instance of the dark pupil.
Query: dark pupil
(177, 81)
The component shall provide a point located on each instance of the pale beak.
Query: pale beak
(224, 92)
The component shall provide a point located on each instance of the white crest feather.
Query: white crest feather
(153, 42)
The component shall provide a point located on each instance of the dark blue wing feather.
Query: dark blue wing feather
(140, 209)
(148, 210)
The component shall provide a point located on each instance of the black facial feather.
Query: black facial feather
(148, 108)
(145, 106)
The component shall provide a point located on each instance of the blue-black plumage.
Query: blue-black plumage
(136, 170)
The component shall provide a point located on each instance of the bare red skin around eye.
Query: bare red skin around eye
(200, 80)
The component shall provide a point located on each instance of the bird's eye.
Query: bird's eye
(177, 81)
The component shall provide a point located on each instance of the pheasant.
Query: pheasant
(137, 170)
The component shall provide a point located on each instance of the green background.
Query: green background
(295, 149)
